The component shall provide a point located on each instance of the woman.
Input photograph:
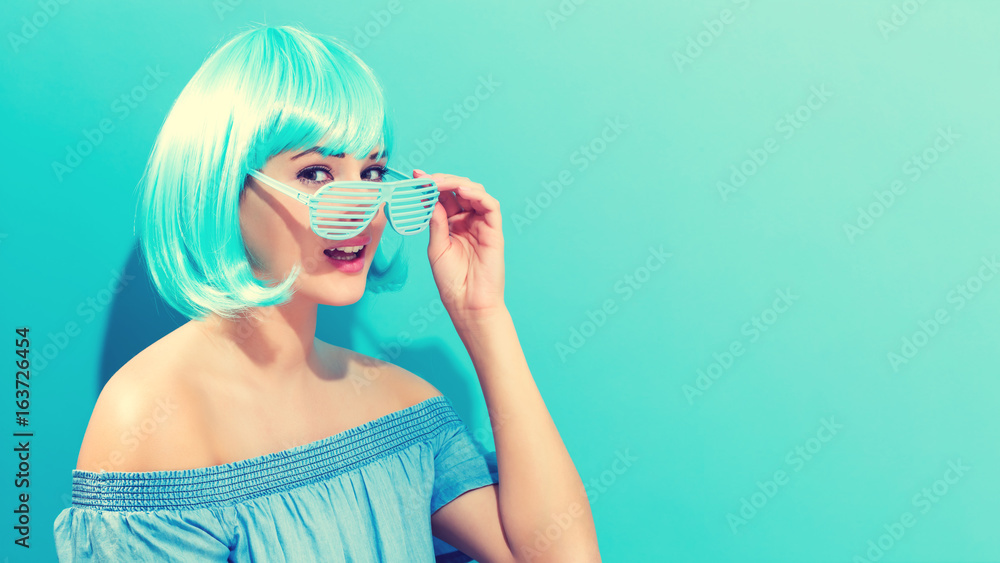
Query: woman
(240, 436)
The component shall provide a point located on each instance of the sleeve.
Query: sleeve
(83, 535)
(460, 465)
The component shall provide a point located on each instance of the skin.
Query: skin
(245, 388)
(236, 381)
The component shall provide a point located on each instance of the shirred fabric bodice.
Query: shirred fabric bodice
(365, 494)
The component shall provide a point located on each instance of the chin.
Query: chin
(338, 292)
(341, 302)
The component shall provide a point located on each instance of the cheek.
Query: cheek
(253, 222)
(264, 231)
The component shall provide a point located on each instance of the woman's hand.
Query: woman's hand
(466, 247)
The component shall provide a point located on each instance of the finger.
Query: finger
(473, 197)
(440, 232)
(446, 181)
(482, 203)
(448, 198)
(450, 181)
(450, 202)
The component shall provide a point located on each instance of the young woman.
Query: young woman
(242, 437)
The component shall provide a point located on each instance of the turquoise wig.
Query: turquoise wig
(265, 91)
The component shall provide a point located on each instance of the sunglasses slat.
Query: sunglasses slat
(346, 202)
(347, 212)
(342, 213)
(407, 214)
(415, 203)
(413, 193)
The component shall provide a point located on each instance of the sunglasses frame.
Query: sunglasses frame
(398, 213)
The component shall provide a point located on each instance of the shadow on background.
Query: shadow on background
(137, 317)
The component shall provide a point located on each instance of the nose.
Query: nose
(360, 200)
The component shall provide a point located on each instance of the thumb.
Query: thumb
(440, 233)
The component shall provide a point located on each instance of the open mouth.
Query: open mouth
(346, 253)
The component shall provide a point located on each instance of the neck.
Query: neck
(277, 342)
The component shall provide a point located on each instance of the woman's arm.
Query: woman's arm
(540, 490)
(541, 503)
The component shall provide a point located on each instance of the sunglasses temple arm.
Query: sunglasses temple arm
(398, 173)
(301, 196)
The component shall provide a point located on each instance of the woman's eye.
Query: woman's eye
(377, 174)
(315, 175)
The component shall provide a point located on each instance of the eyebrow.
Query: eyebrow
(372, 156)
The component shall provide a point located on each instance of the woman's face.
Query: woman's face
(276, 227)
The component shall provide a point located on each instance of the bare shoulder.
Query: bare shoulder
(401, 386)
(145, 418)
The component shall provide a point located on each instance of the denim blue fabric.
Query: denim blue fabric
(365, 494)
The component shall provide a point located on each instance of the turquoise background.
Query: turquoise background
(630, 387)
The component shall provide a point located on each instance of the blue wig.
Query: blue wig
(265, 91)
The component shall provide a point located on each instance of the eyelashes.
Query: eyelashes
(309, 175)
(318, 175)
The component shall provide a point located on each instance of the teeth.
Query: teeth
(349, 248)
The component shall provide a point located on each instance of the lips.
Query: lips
(348, 250)
(363, 240)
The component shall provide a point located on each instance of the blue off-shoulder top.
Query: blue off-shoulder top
(365, 494)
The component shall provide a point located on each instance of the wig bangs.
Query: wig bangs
(324, 101)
